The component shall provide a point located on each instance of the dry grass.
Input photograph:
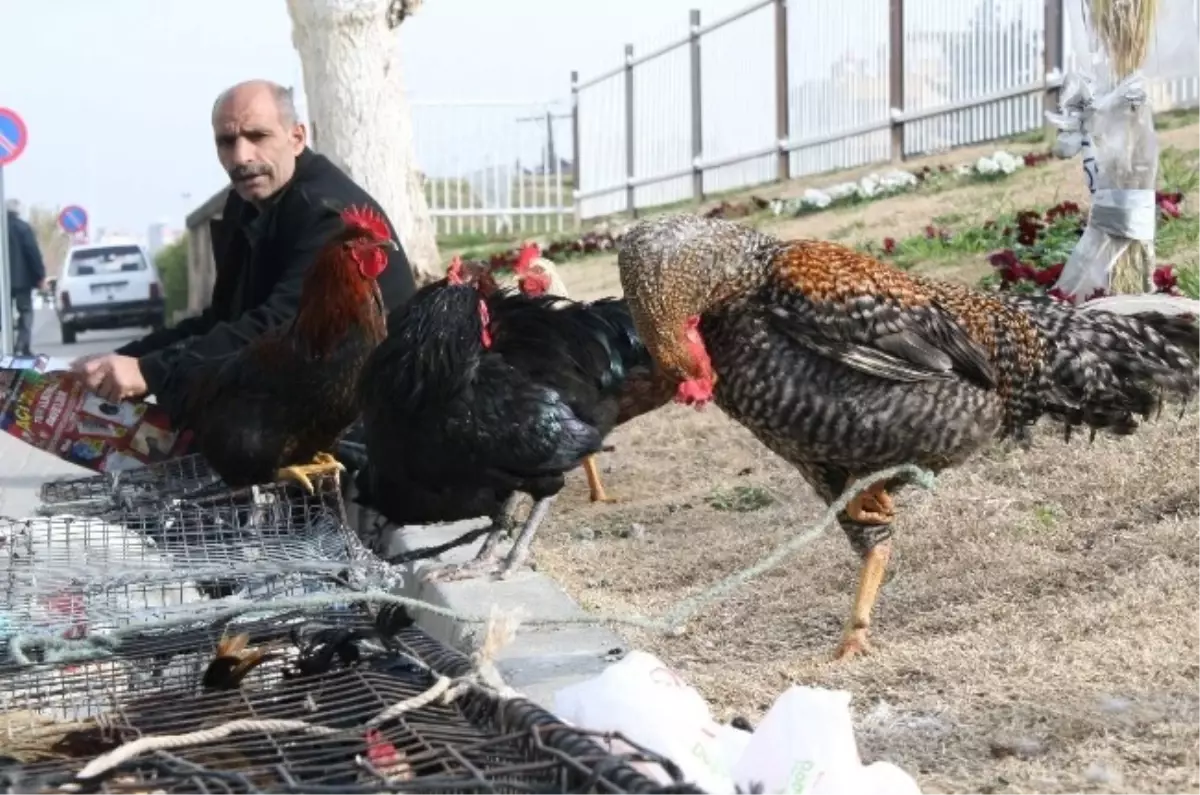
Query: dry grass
(1039, 631)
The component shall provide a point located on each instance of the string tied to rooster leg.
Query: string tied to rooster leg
(92, 647)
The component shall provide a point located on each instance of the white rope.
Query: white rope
(500, 631)
(444, 688)
(61, 650)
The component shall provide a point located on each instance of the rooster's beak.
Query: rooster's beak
(392, 244)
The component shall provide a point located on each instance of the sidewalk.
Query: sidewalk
(23, 471)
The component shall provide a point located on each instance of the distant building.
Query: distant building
(159, 236)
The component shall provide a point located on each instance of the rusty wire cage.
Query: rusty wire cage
(336, 670)
(178, 559)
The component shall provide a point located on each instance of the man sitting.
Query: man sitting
(275, 220)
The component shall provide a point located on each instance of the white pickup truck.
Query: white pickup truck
(107, 286)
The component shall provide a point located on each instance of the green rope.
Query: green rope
(61, 650)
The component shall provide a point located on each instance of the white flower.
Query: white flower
(842, 190)
(1006, 162)
(895, 181)
(963, 169)
(985, 165)
(868, 186)
(815, 198)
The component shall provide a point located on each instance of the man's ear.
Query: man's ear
(299, 138)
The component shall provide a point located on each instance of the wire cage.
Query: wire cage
(338, 672)
(73, 576)
(129, 490)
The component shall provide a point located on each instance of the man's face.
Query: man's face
(256, 148)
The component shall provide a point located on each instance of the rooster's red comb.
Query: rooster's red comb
(528, 253)
(454, 273)
(366, 219)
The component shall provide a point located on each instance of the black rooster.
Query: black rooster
(475, 397)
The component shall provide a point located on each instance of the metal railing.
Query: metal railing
(495, 168)
(777, 91)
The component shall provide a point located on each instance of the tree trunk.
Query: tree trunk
(353, 81)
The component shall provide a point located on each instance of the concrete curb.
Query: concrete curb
(541, 659)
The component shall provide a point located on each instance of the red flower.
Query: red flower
(1168, 203)
(1049, 275)
(1062, 209)
(1099, 292)
(1017, 273)
(1165, 279)
(1003, 259)
(1057, 293)
(889, 245)
(1036, 158)
(1029, 224)
(930, 232)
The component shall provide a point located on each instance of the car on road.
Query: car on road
(108, 286)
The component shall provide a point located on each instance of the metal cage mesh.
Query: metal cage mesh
(126, 491)
(335, 670)
(183, 557)
(149, 561)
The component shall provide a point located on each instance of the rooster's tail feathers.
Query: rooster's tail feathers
(1104, 369)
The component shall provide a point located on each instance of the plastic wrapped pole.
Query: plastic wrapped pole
(1120, 49)
(1105, 113)
(1120, 164)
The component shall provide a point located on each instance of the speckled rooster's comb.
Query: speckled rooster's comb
(368, 220)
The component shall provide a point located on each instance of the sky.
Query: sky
(117, 93)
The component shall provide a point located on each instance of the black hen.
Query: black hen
(471, 400)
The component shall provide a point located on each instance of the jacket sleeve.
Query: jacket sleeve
(163, 369)
(33, 254)
(156, 341)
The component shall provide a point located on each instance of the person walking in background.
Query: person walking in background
(27, 273)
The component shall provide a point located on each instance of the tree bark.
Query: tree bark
(353, 82)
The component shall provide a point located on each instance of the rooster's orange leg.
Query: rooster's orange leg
(322, 464)
(870, 576)
(593, 478)
(871, 507)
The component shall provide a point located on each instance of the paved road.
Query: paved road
(47, 337)
(23, 469)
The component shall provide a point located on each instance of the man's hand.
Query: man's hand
(111, 376)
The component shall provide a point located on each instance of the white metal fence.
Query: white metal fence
(496, 168)
(781, 90)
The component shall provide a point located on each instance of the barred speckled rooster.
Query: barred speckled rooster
(845, 366)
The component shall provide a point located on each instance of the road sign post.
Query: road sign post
(13, 138)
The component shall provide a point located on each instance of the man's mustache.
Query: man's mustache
(239, 173)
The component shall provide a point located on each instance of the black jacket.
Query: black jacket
(261, 261)
(25, 266)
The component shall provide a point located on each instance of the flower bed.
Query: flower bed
(1028, 249)
(998, 165)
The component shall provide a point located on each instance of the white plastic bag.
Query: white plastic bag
(805, 745)
(806, 736)
(878, 778)
(649, 703)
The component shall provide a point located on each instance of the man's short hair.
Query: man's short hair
(283, 96)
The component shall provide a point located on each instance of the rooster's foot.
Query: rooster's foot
(854, 641)
(854, 644)
(322, 464)
(872, 506)
(453, 572)
(593, 478)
